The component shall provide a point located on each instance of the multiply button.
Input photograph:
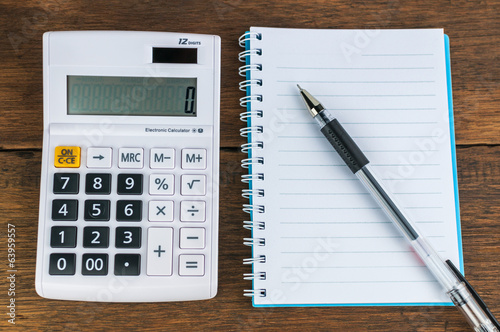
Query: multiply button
(159, 255)
(161, 211)
(194, 158)
(130, 158)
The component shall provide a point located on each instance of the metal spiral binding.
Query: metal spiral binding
(249, 36)
(246, 83)
(254, 241)
(247, 178)
(242, 56)
(252, 131)
(245, 148)
(246, 163)
(247, 193)
(245, 115)
(252, 276)
(250, 225)
(248, 99)
(247, 130)
(243, 69)
(249, 208)
(254, 292)
(252, 260)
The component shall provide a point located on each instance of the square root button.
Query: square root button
(191, 265)
(193, 185)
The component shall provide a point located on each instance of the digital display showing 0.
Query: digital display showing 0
(144, 96)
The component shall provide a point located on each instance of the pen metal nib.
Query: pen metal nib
(312, 104)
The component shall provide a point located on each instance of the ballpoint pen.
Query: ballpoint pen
(454, 284)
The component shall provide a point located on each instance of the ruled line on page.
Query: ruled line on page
(359, 123)
(360, 95)
(403, 54)
(356, 68)
(353, 82)
(365, 109)
(361, 282)
(361, 267)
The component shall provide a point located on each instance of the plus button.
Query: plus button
(159, 251)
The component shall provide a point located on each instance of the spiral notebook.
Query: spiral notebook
(317, 236)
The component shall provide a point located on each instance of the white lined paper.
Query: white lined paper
(327, 242)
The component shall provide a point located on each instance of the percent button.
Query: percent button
(161, 184)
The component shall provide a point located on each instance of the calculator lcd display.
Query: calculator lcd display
(143, 96)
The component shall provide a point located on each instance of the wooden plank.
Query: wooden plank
(478, 173)
(473, 29)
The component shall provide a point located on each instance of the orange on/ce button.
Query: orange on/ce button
(67, 156)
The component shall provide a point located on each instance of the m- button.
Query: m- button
(194, 158)
(130, 158)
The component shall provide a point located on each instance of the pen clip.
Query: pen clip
(476, 296)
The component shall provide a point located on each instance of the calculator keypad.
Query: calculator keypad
(135, 213)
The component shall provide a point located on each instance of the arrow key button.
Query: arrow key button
(99, 157)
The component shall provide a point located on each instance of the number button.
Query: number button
(66, 183)
(129, 210)
(129, 184)
(96, 210)
(62, 264)
(95, 264)
(127, 264)
(96, 237)
(98, 184)
(128, 237)
(65, 209)
(63, 237)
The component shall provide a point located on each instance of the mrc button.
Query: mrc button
(67, 156)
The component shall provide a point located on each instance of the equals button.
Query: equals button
(191, 265)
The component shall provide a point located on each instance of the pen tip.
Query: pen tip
(299, 87)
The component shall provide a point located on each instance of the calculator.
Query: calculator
(129, 188)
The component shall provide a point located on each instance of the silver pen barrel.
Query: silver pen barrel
(357, 162)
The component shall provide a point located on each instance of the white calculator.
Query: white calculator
(129, 188)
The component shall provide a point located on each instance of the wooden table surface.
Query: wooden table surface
(474, 31)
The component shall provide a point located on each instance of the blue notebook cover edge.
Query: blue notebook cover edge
(455, 185)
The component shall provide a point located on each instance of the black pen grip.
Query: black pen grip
(344, 145)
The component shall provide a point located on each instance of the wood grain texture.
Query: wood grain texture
(229, 310)
(474, 30)
(473, 27)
